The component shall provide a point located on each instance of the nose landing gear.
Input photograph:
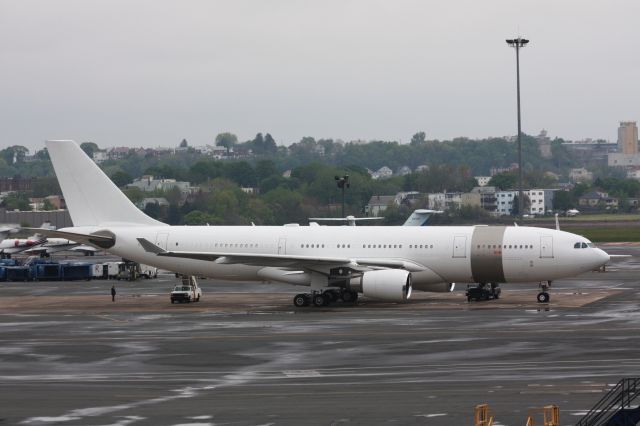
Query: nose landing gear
(543, 296)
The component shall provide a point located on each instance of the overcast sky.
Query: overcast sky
(149, 73)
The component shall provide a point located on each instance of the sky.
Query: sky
(152, 72)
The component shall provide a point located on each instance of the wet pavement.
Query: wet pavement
(246, 356)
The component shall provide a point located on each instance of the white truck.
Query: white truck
(188, 291)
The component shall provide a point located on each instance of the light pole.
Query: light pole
(518, 43)
(343, 183)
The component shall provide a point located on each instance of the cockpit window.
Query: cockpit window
(584, 245)
(576, 245)
(591, 245)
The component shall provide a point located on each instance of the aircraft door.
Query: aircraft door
(161, 239)
(460, 246)
(546, 246)
(282, 246)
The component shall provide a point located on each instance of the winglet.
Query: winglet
(149, 247)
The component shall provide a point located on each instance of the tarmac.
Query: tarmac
(245, 355)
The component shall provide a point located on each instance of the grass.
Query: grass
(607, 217)
(601, 234)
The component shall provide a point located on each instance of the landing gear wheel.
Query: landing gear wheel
(300, 300)
(319, 300)
(330, 296)
(543, 297)
(349, 296)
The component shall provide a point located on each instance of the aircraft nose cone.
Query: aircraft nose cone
(603, 257)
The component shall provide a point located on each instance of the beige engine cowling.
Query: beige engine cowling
(391, 285)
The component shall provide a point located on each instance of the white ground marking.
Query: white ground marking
(431, 415)
(193, 424)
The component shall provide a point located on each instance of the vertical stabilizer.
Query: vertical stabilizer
(91, 197)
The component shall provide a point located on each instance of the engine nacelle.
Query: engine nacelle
(436, 287)
(392, 285)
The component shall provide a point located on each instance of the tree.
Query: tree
(562, 200)
(419, 138)
(258, 144)
(228, 140)
(46, 205)
(265, 169)
(121, 178)
(242, 173)
(134, 194)
(14, 154)
(270, 146)
(184, 143)
(17, 201)
(504, 181)
(89, 148)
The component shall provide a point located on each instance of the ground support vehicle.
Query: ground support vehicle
(188, 291)
(482, 291)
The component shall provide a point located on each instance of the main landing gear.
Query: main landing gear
(325, 298)
(543, 296)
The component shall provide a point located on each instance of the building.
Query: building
(147, 183)
(544, 144)
(404, 170)
(633, 173)
(378, 204)
(598, 201)
(590, 150)
(628, 137)
(99, 156)
(537, 204)
(58, 218)
(15, 184)
(616, 159)
(580, 175)
(159, 201)
(383, 172)
(482, 180)
(488, 199)
(497, 170)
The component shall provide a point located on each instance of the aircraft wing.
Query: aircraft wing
(100, 240)
(259, 259)
(36, 250)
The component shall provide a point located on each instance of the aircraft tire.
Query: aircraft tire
(319, 300)
(300, 300)
(543, 297)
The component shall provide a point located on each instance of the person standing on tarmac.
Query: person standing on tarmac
(113, 293)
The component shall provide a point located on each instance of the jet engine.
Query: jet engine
(436, 287)
(392, 285)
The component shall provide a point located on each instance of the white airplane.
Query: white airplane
(380, 262)
(12, 246)
(419, 217)
(55, 245)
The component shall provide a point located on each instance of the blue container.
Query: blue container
(46, 271)
(8, 262)
(17, 273)
(76, 271)
(3, 273)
